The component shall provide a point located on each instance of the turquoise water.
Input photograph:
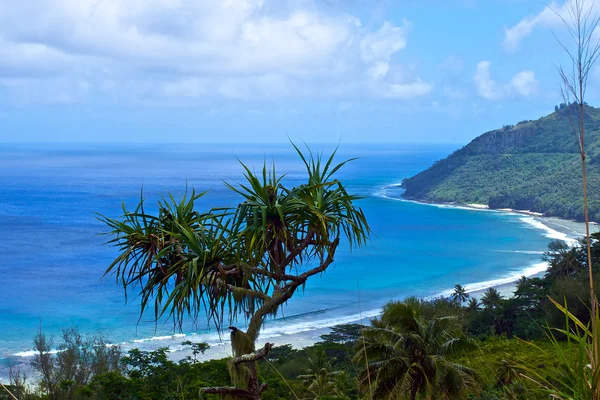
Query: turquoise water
(54, 257)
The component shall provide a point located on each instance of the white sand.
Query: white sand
(478, 206)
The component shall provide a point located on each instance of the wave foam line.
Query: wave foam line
(381, 193)
(514, 277)
(549, 232)
(532, 221)
(31, 353)
(272, 329)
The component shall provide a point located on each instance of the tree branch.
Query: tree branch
(243, 291)
(299, 249)
(321, 268)
(288, 291)
(257, 355)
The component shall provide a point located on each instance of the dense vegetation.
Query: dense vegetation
(453, 348)
(534, 165)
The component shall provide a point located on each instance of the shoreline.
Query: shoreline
(552, 220)
(566, 230)
(309, 336)
(572, 227)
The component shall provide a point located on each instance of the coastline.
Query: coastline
(564, 226)
(303, 336)
(554, 227)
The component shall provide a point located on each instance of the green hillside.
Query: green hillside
(534, 165)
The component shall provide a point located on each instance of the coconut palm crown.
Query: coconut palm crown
(409, 356)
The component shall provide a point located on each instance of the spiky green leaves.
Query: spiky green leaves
(231, 261)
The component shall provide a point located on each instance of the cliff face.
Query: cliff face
(534, 165)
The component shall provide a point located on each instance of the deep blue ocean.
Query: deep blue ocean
(54, 257)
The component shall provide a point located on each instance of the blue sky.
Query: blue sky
(428, 71)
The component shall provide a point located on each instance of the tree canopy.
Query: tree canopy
(237, 261)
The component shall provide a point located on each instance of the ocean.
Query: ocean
(54, 256)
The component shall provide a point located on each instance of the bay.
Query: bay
(54, 255)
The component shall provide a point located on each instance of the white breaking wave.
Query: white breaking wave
(272, 329)
(381, 193)
(166, 337)
(549, 232)
(304, 326)
(31, 353)
(513, 277)
(531, 221)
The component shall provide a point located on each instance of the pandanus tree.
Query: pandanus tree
(244, 261)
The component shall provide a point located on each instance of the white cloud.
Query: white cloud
(522, 84)
(486, 86)
(240, 49)
(376, 51)
(550, 17)
(379, 70)
(379, 46)
(408, 90)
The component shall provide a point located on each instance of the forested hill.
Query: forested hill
(534, 165)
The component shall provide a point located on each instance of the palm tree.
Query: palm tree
(240, 261)
(460, 294)
(507, 370)
(409, 355)
(491, 298)
(320, 387)
(473, 305)
(319, 378)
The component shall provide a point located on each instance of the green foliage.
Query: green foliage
(67, 372)
(183, 262)
(236, 261)
(409, 355)
(152, 375)
(491, 299)
(532, 166)
(578, 376)
(348, 333)
(505, 366)
(460, 294)
(326, 370)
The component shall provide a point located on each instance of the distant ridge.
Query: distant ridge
(534, 165)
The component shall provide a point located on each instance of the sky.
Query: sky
(219, 71)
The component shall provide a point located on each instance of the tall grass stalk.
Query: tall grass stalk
(8, 391)
(578, 377)
(362, 334)
(581, 20)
